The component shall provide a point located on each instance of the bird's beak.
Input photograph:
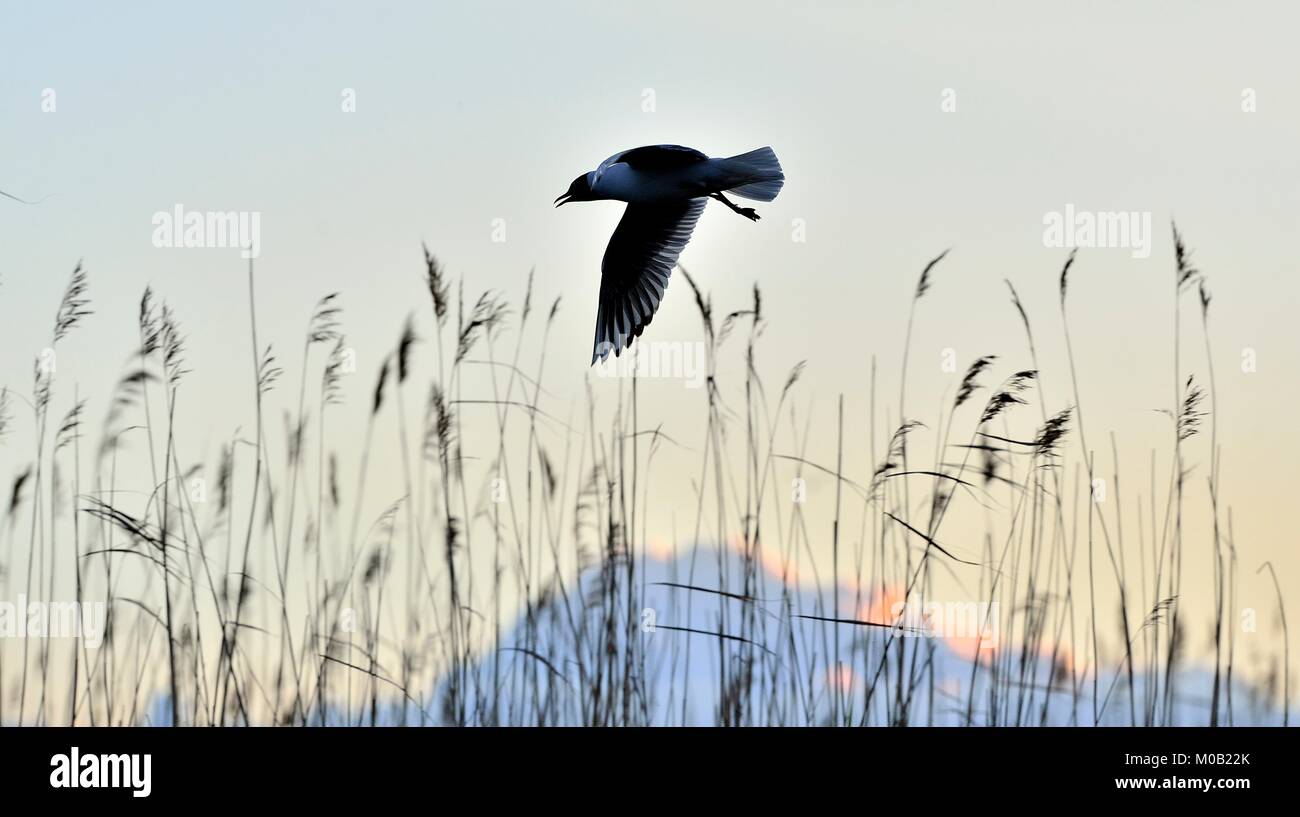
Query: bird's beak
(563, 198)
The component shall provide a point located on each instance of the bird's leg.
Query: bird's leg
(747, 212)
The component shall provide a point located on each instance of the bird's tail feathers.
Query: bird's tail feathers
(759, 174)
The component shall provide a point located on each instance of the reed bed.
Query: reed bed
(512, 582)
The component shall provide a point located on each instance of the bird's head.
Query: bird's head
(580, 190)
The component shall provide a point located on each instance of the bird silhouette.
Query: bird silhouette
(666, 188)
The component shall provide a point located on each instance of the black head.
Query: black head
(580, 190)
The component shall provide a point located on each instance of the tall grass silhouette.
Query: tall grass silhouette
(283, 602)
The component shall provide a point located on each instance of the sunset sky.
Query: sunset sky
(904, 129)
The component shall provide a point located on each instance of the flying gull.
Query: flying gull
(666, 188)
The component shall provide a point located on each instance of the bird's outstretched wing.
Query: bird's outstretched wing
(634, 273)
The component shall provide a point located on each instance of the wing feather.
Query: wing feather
(634, 273)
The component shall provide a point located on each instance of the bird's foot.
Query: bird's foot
(747, 212)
